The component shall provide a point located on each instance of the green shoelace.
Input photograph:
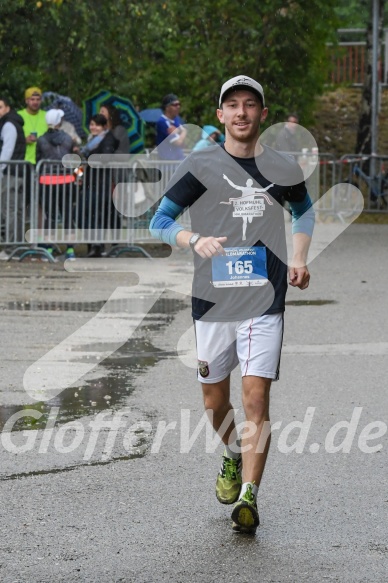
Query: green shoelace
(230, 469)
(248, 496)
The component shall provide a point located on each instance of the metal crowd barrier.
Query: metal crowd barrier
(16, 186)
(52, 205)
(370, 175)
(148, 182)
(102, 203)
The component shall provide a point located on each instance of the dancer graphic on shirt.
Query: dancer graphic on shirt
(250, 206)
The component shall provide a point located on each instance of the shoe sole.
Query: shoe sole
(223, 501)
(242, 529)
(245, 517)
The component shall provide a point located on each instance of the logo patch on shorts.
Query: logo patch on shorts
(203, 368)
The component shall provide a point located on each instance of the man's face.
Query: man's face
(34, 102)
(173, 109)
(242, 114)
(4, 109)
(292, 122)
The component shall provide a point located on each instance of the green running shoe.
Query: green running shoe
(245, 515)
(229, 481)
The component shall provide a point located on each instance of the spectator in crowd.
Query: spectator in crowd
(100, 140)
(170, 134)
(34, 121)
(55, 142)
(210, 136)
(12, 147)
(97, 211)
(286, 140)
(69, 129)
(56, 185)
(112, 114)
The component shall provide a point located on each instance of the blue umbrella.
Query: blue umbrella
(130, 118)
(73, 113)
(151, 115)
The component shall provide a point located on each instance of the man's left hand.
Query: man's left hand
(299, 277)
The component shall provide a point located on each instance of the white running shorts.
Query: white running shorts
(255, 343)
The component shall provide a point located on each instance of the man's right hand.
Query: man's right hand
(31, 139)
(207, 247)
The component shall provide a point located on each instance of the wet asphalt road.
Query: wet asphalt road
(134, 506)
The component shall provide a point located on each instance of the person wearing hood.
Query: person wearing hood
(55, 143)
(12, 147)
(56, 190)
(210, 136)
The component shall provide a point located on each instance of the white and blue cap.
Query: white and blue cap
(54, 117)
(242, 82)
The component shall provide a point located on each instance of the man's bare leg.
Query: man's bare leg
(220, 411)
(254, 449)
(216, 398)
(255, 398)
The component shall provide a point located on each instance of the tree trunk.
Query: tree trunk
(364, 136)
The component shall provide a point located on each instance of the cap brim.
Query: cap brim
(244, 87)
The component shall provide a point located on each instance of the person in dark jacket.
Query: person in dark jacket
(55, 143)
(120, 132)
(287, 140)
(56, 182)
(115, 124)
(12, 148)
(97, 212)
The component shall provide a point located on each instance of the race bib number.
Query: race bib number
(240, 267)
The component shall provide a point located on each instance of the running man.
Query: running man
(238, 320)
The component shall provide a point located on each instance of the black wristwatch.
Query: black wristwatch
(194, 240)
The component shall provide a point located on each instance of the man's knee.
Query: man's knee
(216, 396)
(256, 391)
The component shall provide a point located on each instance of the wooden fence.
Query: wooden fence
(349, 58)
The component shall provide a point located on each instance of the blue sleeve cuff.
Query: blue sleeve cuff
(163, 225)
(303, 216)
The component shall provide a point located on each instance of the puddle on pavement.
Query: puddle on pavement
(111, 390)
(165, 306)
(310, 302)
(45, 277)
(71, 468)
(107, 392)
(54, 288)
(41, 306)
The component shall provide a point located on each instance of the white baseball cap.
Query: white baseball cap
(54, 117)
(244, 82)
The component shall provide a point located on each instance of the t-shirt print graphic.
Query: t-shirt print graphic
(250, 204)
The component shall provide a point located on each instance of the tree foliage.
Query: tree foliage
(146, 49)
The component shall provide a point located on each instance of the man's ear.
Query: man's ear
(220, 115)
(264, 114)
